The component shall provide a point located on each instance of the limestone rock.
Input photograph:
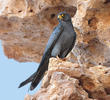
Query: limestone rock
(58, 85)
(25, 26)
(68, 81)
(93, 24)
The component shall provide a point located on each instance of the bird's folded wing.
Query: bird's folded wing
(54, 37)
(47, 54)
(51, 42)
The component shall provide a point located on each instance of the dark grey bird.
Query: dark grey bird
(60, 43)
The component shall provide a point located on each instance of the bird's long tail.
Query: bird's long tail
(37, 76)
(27, 80)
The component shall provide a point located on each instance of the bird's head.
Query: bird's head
(63, 16)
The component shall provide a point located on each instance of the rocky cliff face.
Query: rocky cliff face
(68, 81)
(25, 26)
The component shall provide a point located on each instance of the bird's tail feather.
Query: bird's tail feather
(40, 73)
(27, 80)
(37, 76)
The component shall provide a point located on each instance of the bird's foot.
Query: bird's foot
(57, 57)
(62, 59)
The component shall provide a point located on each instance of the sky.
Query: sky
(12, 73)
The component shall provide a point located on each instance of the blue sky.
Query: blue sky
(12, 73)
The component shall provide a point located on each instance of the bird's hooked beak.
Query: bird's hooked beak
(60, 17)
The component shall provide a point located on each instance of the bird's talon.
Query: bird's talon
(64, 59)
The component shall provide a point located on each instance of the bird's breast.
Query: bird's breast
(67, 37)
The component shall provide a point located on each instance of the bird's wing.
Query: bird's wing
(54, 37)
(51, 42)
(47, 54)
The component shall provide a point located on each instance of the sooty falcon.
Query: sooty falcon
(59, 44)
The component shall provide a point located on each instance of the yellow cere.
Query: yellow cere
(61, 16)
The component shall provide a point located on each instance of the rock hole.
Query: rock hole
(20, 11)
(25, 36)
(88, 33)
(52, 16)
(89, 94)
(106, 72)
(6, 33)
(46, 9)
(23, 23)
(92, 22)
(31, 10)
(89, 21)
(81, 84)
(106, 1)
(8, 24)
(107, 90)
